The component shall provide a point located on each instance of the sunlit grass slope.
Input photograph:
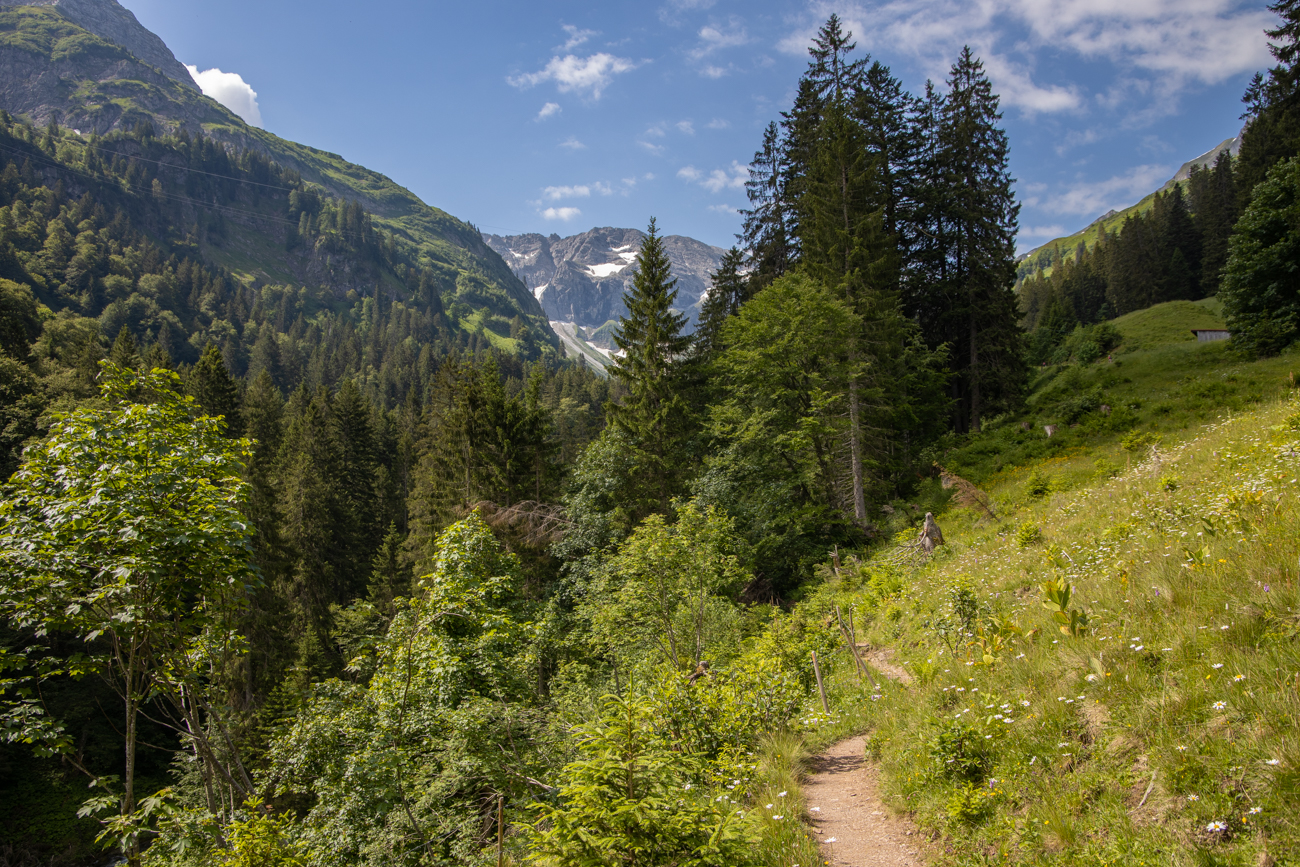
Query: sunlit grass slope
(1156, 720)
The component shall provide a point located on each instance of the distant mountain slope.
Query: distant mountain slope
(581, 279)
(1113, 219)
(54, 68)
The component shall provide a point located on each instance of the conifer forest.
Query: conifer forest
(354, 567)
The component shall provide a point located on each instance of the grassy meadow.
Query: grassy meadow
(1107, 670)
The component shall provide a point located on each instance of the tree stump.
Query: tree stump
(1050, 428)
(931, 535)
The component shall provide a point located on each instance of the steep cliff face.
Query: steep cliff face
(581, 279)
(110, 21)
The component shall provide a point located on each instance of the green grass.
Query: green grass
(1184, 560)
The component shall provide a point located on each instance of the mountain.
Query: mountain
(90, 66)
(114, 23)
(580, 280)
(1114, 218)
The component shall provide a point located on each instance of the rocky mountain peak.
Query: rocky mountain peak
(581, 279)
(111, 21)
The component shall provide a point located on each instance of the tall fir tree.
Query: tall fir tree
(653, 412)
(210, 383)
(728, 289)
(981, 319)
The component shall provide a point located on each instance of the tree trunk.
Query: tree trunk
(855, 449)
(132, 713)
(974, 374)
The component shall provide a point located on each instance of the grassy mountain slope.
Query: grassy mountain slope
(52, 69)
(1114, 220)
(1163, 728)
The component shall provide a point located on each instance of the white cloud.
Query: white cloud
(1119, 191)
(1176, 43)
(717, 180)
(718, 123)
(549, 109)
(586, 75)
(603, 188)
(576, 37)
(686, 127)
(718, 37)
(723, 209)
(653, 148)
(562, 214)
(579, 192)
(656, 131)
(1053, 231)
(229, 89)
(573, 144)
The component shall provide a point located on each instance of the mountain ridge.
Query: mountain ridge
(54, 69)
(581, 279)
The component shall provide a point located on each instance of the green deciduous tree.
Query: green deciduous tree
(122, 536)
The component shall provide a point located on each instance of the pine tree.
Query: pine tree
(211, 384)
(125, 352)
(653, 413)
(728, 289)
(981, 322)
(767, 233)
(1272, 115)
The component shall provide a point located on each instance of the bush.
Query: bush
(630, 798)
(961, 752)
(1038, 485)
(1028, 534)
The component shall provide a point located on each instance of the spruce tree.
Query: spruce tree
(727, 291)
(210, 383)
(125, 352)
(653, 411)
(981, 322)
(767, 233)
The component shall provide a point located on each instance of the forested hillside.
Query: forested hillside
(329, 563)
(55, 70)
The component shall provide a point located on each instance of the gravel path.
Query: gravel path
(855, 828)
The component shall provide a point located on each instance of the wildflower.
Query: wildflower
(1193, 797)
(1063, 744)
(781, 794)
(778, 818)
(687, 787)
(814, 809)
(830, 840)
(1216, 827)
(1181, 749)
(1238, 678)
(1220, 705)
(1024, 703)
(1273, 762)
(769, 806)
(1223, 627)
(1255, 811)
(1217, 665)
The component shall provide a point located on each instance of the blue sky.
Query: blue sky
(561, 116)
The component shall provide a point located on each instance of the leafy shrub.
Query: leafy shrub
(970, 803)
(630, 798)
(1169, 483)
(962, 752)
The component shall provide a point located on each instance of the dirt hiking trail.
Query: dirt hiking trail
(854, 827)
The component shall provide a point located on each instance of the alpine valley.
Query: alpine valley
(335, 532)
